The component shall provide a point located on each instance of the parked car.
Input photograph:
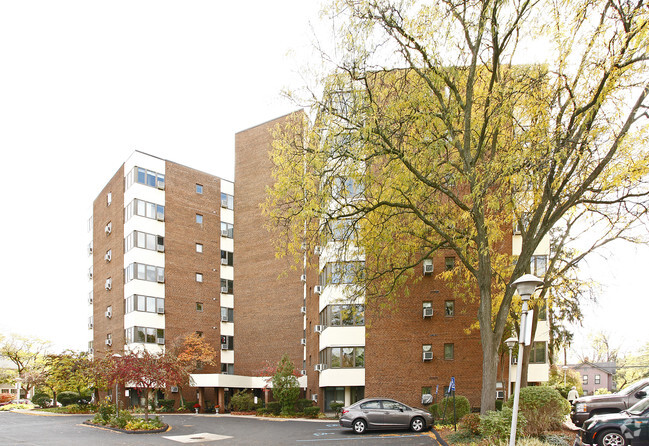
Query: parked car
(383, 413)
(589, 406)
(629, 427)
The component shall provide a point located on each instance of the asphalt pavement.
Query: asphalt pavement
(34, 429)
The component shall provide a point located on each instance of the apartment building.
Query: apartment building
(161, 258)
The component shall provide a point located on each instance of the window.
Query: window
(449, 263)
(199, 247)
(449, 308)
(227, 201)
(145, 335)
(543, 311)
(449, 351)
(140, 271)
(146, 304)
(138, 239)
(144, 209)
(537, 353)
(341, 230)
(227, 230)
(199, 188)
(227, 314)
(227, 369)
(342, 272)
(584, 379)
(227, 342)
(146, 177)
(199, 277)
(343, 357)
(199, 306)
(109, 198)
(343, 315)
(227, 286)
(371, 405)
(598, 379)
(199, 219)
(227, 258)
(538, 265)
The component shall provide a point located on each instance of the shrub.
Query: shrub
(336, 406)
(471, 423)
(166, 405)
(261, 411)
(6, 397)
(189, 405)
(9, 407)
(543, 407)
(302, 404)
(496, 425)
(123, 419)
(499, 404)
(41, 399)
(444, 409)
(66, 398)
(274, 407)
(105, 412)
(312, 412)
(242, 402)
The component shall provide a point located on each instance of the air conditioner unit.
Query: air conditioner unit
(303, 310)
(160, 310)
(90, 248)
(161, 185)
(109, 342)
(90, 325)
(91, 351)
(108, 228)
(224, 232)
(160, 216)
(108, 256)
(90, 300)
(224, 346)
(224, 261)
(303, 277)
(317, 250)
(109, 314)
(428, 268)
(174, 389)
(160, 278)
(314, 397)
(317, 289)
(319, 328)
(428, 312)
(304, 246)
(89, 274)
(319, 367)
(303, 341)
(161, 248)
(224, 289)
(109, 284)
(224, 318)
(500, 394)
(303, 372)
(160, 341)
(428, 356)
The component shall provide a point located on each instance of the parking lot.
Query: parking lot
(38, 430)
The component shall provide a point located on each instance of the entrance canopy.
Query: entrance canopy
(235, 381)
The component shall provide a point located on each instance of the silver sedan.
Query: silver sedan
(383, 413)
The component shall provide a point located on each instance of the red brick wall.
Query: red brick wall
(268, 322)
(182, 262)
(102, 270)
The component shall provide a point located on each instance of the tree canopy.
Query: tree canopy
(436, 130)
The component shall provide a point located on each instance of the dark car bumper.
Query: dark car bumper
(579, 418)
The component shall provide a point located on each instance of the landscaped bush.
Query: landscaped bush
(105, 412)
(139, 424)
(471, 423)
(336, 406)
(261, 411)
(274, 407)
(66, 398)
(166, 405)
(189, 405)
(496, 424)
(543, 407)
(6, 397)
(302, 404)
(445, 416)
(242, 402)
(41, 399)
(311, 412)
(15, 406)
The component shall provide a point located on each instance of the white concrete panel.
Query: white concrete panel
(227, 272)
(227, 329)
(151, 348)
(142, 319)
(339, 294)
(227, 244)
(542, 249)
(227, 187)
(542, 332)
(227, 215)
(235, 381)
(145, 288)
(227, 300)
(145, 256)
(342, 377)
(227, 356)
(538, 373)
(143, 224)
(342, 337)
(144, 192)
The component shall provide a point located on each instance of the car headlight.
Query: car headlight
(581, 407)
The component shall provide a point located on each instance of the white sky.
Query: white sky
(84, 83)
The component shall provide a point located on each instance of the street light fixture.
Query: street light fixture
(510, 343)
(565, 371)
(525, 287)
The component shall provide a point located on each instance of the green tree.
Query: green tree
(632, 367)
(27, 355)
(430, 137)
(285, 385)
(564, 380)
(68, 371)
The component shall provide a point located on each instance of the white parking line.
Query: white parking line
(362, 438)
(197, 438)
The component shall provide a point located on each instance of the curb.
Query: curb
(165, 428)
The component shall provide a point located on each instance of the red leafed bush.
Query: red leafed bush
(5, 397)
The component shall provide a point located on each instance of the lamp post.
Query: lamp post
(525, 286)
(18, 380)
(565, 370)
(510, 342)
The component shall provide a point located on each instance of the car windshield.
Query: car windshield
(628, 390)
(639, 407)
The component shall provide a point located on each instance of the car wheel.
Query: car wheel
(611, 438)
(417, 424)
(359, 426)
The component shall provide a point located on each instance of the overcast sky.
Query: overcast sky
(84, 83)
